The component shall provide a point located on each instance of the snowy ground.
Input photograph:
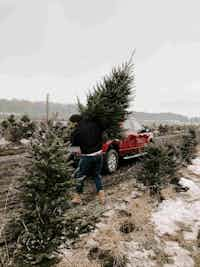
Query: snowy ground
(164, 235)
(3, 142)
(181, 216)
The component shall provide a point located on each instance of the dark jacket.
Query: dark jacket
(87, 135)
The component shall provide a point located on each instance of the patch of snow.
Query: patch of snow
(24, 141)
(169, 213)
(173, 214)
(181, 210)
(196, 161)
(180, 256)
(137, 256)
(3, 142)
(195, 167)
(91, 243)
(191, 235)
(194, 189)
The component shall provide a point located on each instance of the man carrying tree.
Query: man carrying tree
(106, 107)
(88, 136)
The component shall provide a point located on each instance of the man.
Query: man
(88, 136)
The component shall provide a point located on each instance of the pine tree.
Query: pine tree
(108, 103)
(15, 129)
(25, 118)
(159, 166)
(188, 146)
(45, 199)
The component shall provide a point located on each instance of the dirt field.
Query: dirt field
(133, 229)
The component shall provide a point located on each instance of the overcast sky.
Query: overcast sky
(64, 46)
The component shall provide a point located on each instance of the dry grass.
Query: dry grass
(4, 253)
(65, 264)
(197, 260)
(77, 263)
(76, 259)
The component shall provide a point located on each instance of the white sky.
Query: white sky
(64, 46)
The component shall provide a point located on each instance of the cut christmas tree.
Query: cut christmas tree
(109, 100)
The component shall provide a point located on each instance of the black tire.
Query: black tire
(111, 161)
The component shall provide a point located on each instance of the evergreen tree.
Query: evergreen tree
(188, 146)
(15, 129)
(28, 127)
(159, 166)
(12, 119)
(45, 199)
(163, 129)
(25, 118)
(108, 103)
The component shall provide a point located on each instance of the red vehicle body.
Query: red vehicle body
(130, 146)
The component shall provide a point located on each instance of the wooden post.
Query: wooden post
(47, 108)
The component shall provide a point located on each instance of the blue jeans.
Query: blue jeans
(89, 166)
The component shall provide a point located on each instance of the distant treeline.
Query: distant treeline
(37, 110)
(164, 117)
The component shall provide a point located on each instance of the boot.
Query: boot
(101, 195)
(76, 199)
